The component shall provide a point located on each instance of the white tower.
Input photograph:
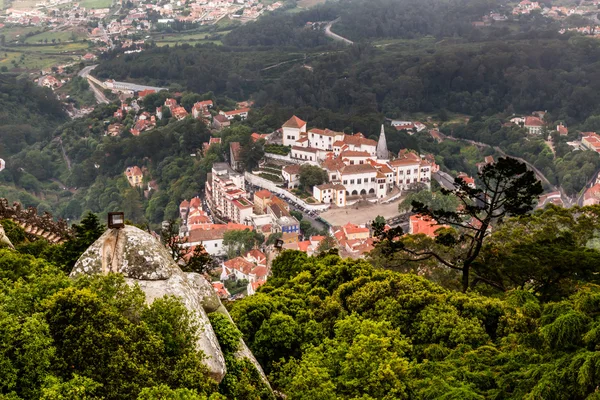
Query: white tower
(382, 150)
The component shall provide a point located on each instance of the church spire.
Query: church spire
(382, 150)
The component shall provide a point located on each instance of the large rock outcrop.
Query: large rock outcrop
(4, 238)
(143, 260)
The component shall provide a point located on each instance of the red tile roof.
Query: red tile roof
(294, 122)
(359, 140)
(533, 121)
(134, 171)
(358, 169)
(195, 202)
(292, 169)
(306, 149)
(236, 112)
(263, 194)
(146, 92)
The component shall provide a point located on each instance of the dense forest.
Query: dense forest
(322, 327)
(557, 73)
(28, 114)
(95, 337)
(329, 328)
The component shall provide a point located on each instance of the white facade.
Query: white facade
(330, 193)
(226, 195)
(291, 174)
(323, 139)
(304, 153)
(409, 171)
(292, 130)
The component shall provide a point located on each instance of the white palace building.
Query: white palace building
(356, 166)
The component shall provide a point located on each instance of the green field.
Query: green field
(30, 61)
(23, 4)
(95, 3)
(17, 32)
(58, 49)
(189, 38)
(57, 36)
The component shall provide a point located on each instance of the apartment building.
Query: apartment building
(225, 194)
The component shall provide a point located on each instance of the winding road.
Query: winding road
(568, 201)
(335, 36)
(85, 73)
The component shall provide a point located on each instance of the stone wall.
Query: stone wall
(271, 186)
(39, 225)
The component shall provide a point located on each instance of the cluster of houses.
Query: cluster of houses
(145, 121)
(535, 124)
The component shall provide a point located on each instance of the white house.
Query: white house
(409, 168)
(211, 239)
(291, 174)
(304, 153)
(330, 193)
(292, 130)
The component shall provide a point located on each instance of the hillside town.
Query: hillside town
(140, 17)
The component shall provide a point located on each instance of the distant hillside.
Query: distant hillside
(28, 113)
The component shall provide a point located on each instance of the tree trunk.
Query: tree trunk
(465, 278)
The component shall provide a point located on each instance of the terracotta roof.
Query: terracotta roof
(561, 129)
(350, 228)
(359, 140)
(257, 254)
(533, 121)
(257, 136)
(134, 171)
(240, 264)
(235, 150)
(353, 153)
(258, 283)
(292, 169)
(221, 118)
(335, 186)
(260, 271)
(593, 192)
(384, 168)
(236, 112)
(333, 165)
(358, 169)
(266, 228)
(202, 235)
(184, 204)
(466, 178)
(195, 202)
(220, 289)
(294, 122)
(263, 194)
(304, 246)
(146, 92)
(306, 149)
